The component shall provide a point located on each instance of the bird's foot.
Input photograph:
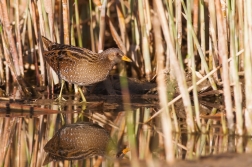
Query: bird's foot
(60, 99)
(83, 101)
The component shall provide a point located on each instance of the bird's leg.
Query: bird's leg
(82, 95)
(60, 98)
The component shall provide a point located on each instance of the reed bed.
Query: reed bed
(209, 41)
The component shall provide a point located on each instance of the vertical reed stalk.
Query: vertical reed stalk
(195, 6)
(65, 9)
(9, 66)
(202, 30)
(8, 30)
(179, 31)
(77, 20)
(190, 145)
(201, 145)
(179, 21)
(18, 142)
(176, 66)
(121, 24)
(240, 31)
(213, 37)
(169, 6)
(66, 31)
(248, 64)
(131, 131)
(202, 57)
(18, 36)
(66, 26)
(35, 144)
(173, 33)
(234, 69)
(145, 43)
(2, 75)
(12, 48)
(209, 122)
(190, 51)
(175, 120)
(91, 26)
(223, 52)
(116, 37)
(162, 92)
(102, 26)
(42, 27)
(135, 40)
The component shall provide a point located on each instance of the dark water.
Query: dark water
(25, 130)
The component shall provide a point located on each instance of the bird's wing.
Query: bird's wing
(71, 53)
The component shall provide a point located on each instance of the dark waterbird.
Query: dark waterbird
(80, 66)
(80, 141)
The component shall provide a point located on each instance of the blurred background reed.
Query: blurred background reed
(170, 42)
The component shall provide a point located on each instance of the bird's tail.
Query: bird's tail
(47, 44)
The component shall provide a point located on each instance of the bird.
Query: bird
(80, 66)
(81, 140)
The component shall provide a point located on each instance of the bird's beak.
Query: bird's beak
(122, 152)
(125, 58)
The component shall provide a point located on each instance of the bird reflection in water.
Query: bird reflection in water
(81, 141)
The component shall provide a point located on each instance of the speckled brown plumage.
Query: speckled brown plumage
(79, 65)
(77, 141)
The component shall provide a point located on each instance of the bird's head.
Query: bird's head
(115, 55)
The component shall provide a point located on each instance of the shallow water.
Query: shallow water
(26, 128)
